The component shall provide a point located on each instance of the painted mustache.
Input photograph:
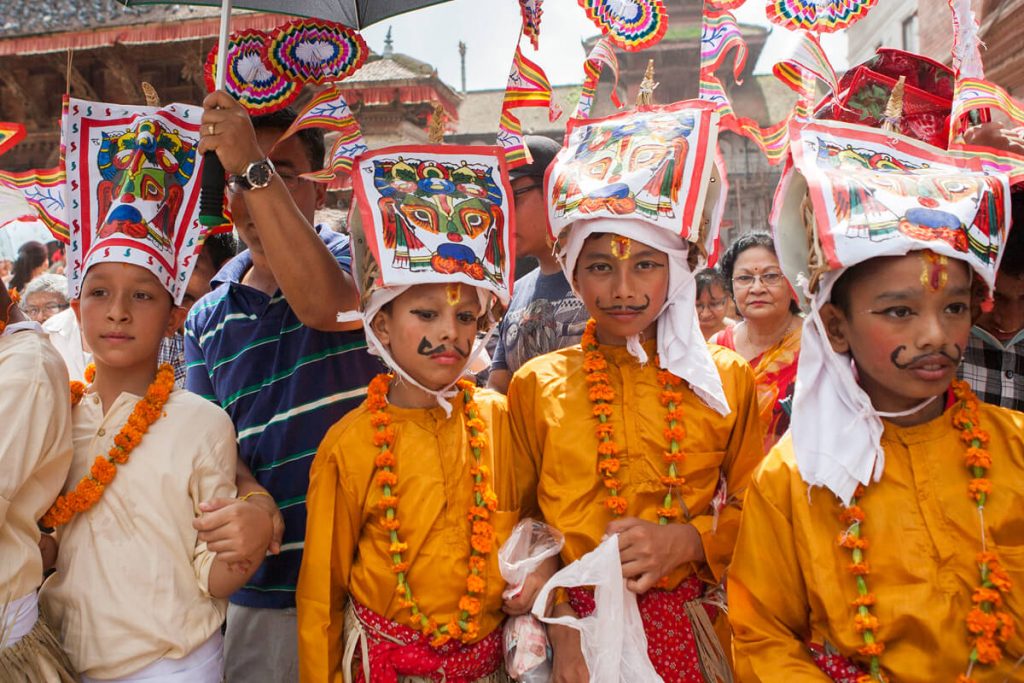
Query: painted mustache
(916, 360)
(425, 349)
(625, 307)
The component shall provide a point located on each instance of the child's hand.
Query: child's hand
(238, 531)
(649, 551)
(568, 665)
(523, 601)
(48, 549)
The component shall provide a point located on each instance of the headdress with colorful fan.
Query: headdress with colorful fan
(249, 79)
(649, 175)
(137, 174)
(316, 51)
(819, 16)
(426, 214)
(630, 24)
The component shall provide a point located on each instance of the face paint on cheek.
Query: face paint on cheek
(934, 271)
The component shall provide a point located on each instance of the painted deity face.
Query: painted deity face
(441, 217)
(906, 327)
(430, 331)
(144, 171)
(623, 284)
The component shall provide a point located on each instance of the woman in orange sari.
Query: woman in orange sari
(769, 334)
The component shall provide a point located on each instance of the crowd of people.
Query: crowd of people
(277, 466)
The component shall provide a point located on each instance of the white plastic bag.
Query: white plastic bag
(613, 640)
(526, 642)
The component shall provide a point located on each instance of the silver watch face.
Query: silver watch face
(259, 173)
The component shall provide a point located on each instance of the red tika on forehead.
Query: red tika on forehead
(934, 271)
(454, 293)
(621, 246)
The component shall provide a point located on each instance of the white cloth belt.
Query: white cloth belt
(19, 619)
(205, 664)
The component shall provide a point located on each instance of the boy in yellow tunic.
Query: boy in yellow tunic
(412, 493)
(136, 595)
(882, 538)
(35, 454)
(641, 430)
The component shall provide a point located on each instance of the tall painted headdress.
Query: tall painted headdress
(850, 193)
(648, 175)
(431, 214)
(133, 177)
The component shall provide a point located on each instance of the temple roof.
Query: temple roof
(29, 17)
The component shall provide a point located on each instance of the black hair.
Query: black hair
(1013, 251)
(708, 278)
(221, 248)
(31, 255)
(747, 241)
(312, 138)
(840, 296)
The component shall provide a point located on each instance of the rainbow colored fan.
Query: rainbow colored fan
(629, 24)
(316, 51)
(820, 16)
(249, 80)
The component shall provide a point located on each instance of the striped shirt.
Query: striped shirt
(284, 385)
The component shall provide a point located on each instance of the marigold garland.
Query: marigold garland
(602, 394)
(989, 627)
(90, 488)
(465, 627)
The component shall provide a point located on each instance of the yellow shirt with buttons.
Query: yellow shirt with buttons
(132, 580)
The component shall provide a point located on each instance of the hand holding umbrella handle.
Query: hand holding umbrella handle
(211, 199)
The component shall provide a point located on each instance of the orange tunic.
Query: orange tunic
(789, 582)
(346, 549)
(556, 466)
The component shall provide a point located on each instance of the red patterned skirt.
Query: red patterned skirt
(671, 641)
(837, 667)
(394, 650)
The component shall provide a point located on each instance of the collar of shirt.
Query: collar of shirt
(22, 326)
(987, 337)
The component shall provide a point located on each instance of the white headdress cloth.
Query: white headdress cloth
(681, 346)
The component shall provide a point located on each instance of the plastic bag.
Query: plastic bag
(526, 641)
(613, 640)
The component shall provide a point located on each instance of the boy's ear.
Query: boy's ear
(379, 325)
(321, 195)
(175, 321)
(836, 327)
(76, 306)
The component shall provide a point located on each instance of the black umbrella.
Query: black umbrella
(355, 13)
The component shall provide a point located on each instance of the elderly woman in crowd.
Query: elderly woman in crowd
(45, 296)
(769, 334)
(712, 302)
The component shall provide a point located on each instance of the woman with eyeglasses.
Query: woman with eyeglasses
(45, 297)
(769, 334)
(712, 302)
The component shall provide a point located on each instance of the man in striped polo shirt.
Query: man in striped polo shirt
(265, 346)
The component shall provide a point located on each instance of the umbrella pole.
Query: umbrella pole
(211, 200)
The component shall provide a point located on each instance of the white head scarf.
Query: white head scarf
(681, 346)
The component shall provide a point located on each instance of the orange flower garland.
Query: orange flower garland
(465, 627)
(602, 395)
(988, 625)
(90, 488)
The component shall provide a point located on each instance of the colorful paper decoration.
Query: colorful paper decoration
(45, 191)
(528, 86)
(601, 55)
(630, 24)
(328, 110)
(432, 214)
(249, 79)
(135, 174)
(820, 16)
(531, 12)
(316, 51)
(10, 135)
(720, 34)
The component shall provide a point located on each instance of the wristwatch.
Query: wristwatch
(257, 175)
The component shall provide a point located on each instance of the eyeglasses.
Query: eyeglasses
(766, 279)
(50, 308)
(714, 305)
(520, 191)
